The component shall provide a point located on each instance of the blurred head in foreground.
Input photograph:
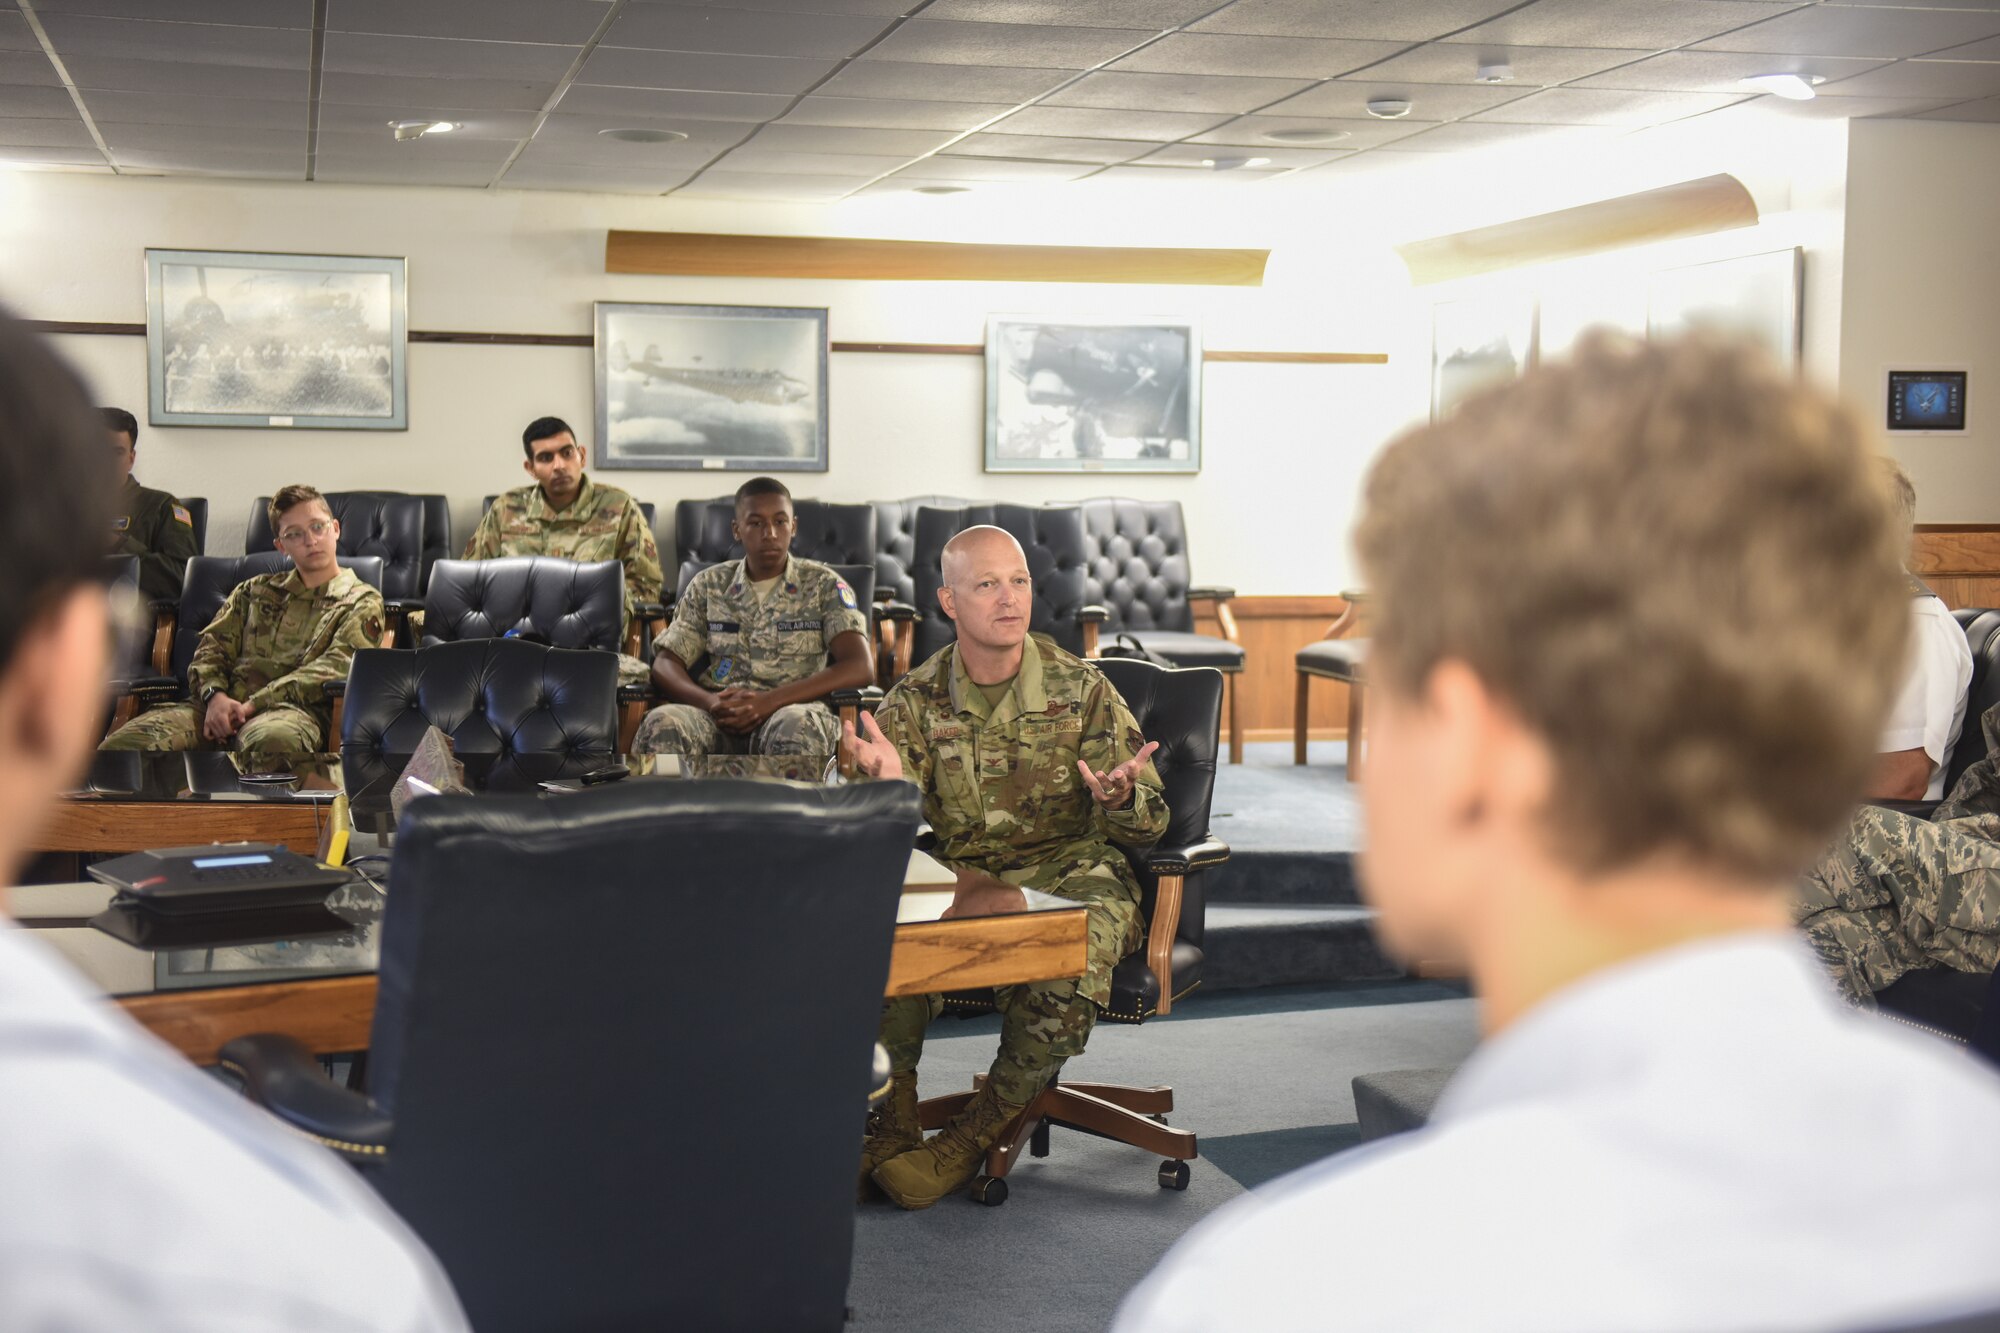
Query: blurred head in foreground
(1637, 621)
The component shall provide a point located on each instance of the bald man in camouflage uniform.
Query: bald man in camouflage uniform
(258, 676)
(1029, 778)
(567, 515)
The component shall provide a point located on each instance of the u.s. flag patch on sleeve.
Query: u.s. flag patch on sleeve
(181, 515)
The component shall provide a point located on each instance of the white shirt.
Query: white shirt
(1930, 706)
(1704, 1138)
(137, 1192)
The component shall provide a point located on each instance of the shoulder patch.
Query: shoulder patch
(181, 515)
(372, 627)
(846, 594)
(122, 523)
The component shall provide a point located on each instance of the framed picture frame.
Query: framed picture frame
(1477, 342)
(717, 387)
(1751, 296)
(299, 342)
(1082, 395)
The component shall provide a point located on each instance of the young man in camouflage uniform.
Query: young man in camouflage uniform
(149, 524)
(1031, 767)
(565, 514)
(766, 626)
(258, 676)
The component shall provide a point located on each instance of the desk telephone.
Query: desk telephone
(229, 876)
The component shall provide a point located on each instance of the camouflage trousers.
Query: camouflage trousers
(687, 731)
(1895, 894)
(279, 730)
(1042, 1023)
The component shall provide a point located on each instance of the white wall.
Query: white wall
(1922, 292)
(1284, 446)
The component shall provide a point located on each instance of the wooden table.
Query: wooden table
(123, 826)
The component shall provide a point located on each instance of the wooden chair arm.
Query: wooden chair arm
(1160, 937)
(163, 642)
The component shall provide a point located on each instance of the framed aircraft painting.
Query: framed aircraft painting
(722, 387)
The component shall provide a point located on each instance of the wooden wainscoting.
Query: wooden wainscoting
(1960, 561)
(1272, 630)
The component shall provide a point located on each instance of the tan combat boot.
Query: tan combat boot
(951, 1158)
(893, 1128)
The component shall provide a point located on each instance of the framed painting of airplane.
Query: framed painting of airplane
(719, 387)
(1083, 395)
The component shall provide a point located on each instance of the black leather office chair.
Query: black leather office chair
(563, 603)
(437, 532)
(385, 523)
(1340, 656)
(490, 696)
(555, 935)
(1058, 560)
(1182, 710)
(1140, 574)
(197, 507)
(896, 541)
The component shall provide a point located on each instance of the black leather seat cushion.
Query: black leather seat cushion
(1336, 659)
(1135, 991)
(567, 603)
(491, 696)
(1188, 650)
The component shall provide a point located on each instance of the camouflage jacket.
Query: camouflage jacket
(159, 530)
(277, 642)
(755, 643)
(1001, 787)
(602, 523)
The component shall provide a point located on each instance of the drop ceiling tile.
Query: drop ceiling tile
(1466, 135)
(38, 102)
(197, 162)
(838, 139)
(757, 185)
(1718, 71)
(1347, 99)
(1990, 5)
(1049, 148)
(592, 179)
(203, 138)
(1367, 133)
(579, 139)
(1195, 179)
(1375, 20)
(561, 22)
(26, 154)
(336, 170)
(374, 121)
(645, 106)
(211, 44)
(1986, 109)
(1829, 30)
(162, 109)
(430, 148)
(888, 8)
(1276, 57)
(887, 113)
(1155, 14)
(30, 67)
(392, 94)
(1922, 78)
(1533, 66)
(610, 155)
(620, 67)
(1643, 25)
(1989, 49)
(1836, 108)
(742, 32)
(16, 35)
(1606, 106)
(772, 162)
(198, 78)
(251, 13)
(1093, 123)
(1172, 92)
(420, 57)
(43, 132)
(938, 42)
(911, 81)
(1270, 156)
(993, 169)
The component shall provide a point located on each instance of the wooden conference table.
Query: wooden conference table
(200, 986)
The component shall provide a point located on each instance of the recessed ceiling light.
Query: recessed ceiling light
(406, 130)
(1495, 71)
(1232, 163)
(1793, 87)
(1388, 108)
(1304, 136)
(940, 189)
(644, 136)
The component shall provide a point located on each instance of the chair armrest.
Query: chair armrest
(1187, 859)
(402, 606)
(926, 839)
(868, 697)
(1092, 614)
(636, 694)
(1914, 809)
(890, 609)
(148, 689)
(653, 610)
(1216, 594)
(335, 689)
(165, 606)
(281, 1075)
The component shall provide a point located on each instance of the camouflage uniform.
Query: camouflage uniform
(274, 645)
(159, 530)
(1003, 795)
(757, 644)
(602, 523)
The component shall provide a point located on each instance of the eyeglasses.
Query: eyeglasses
(567, 453)
(319, 527)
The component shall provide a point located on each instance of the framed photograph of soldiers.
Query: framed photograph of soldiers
(287, 341)
(1078, 395)
(738, 388)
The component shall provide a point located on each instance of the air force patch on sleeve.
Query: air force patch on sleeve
(724, 667)
(846, 595)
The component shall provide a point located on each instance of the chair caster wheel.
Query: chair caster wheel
(990, 1190)
(1173, 1175)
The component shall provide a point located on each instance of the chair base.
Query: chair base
(1107, 1110)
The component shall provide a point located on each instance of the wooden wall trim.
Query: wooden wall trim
(717, 254)
(1946, 550)
(1282, 607)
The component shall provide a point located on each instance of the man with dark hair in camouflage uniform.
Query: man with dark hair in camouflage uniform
(1031, 767)
(766, 626)
(150, 524)
(259, 674)
(565, 514)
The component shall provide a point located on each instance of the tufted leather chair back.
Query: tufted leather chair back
(491, 696)
(197, 507)
(1053, 539)
(380, 523)
(570, 604)
(896, 542)
(1139, 563)
(833, 534)
(1182, 710)
(437, 533)
(211, 578)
